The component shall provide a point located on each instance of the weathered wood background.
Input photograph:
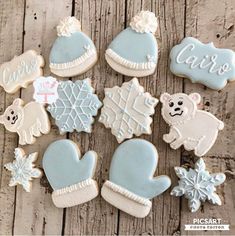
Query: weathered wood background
(31, 24)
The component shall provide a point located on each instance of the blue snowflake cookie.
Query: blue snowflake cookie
(75, 107)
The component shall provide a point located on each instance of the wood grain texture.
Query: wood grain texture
(31, 24)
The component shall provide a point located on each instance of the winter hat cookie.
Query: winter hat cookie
(23, 169)
(69, 175)
(29, 121)
(73, 52)
(127, 110)
(131, 183)
(134, 51)
(195, 129)
(75, 106)
(198, 185)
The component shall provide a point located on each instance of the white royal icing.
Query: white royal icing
(198, 185)
(127, 193)
(127, 109)
(129, 64)
(74, 187)
(89, 53)
(22, 169)
(144, 22)
(68, 26)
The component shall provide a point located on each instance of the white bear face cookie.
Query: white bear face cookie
(28, 121)
(195, 129)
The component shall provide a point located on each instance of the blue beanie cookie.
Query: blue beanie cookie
(73, 52)
(134, 51)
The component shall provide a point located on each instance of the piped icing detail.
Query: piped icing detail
(68, 26)
(73, 187)
(128, 194)
(144, 22)
(129, 64)
(90, 51)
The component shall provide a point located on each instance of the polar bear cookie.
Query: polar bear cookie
(131, 183)
(23, 169)
(198, 185)
(73, 52)
(195, 129)
(134, 51)
(21, 71)
(203, 63)
(69, 175)
(29, 121)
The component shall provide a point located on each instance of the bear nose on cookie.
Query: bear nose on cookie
(177, 109)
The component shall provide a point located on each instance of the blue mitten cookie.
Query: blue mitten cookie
(70, 176)
(73, 52)
(131, 183)
(134, 51)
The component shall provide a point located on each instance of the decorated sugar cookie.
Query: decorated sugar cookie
(203, 63)
(45, 90)
(73, 52)
(131, 183)
(69, 175)
(127, 109)
(134, 51)
(29, 121)
(195, 129)
(23, 169)
(21, 71)
(75, 107)
(198, 185)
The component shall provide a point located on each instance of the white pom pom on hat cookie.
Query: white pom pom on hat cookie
(73, 52)
(134, 51)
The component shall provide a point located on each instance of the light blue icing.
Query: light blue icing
(75, 107)
(133, 165)
(63, 167)
(135, 46)
(217, 67)
(67, 49)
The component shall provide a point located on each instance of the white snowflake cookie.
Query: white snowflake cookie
(127, 110)
(23, 169)
(75, 107)
(198, 185)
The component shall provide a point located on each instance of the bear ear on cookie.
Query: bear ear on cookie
(196, 97)
(165, 97)
(18, 102)
(134, 51)
(73, 52)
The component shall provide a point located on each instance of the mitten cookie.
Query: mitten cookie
(73, 52)
(21, 71)
(203, 63)
(198, 185)
(195, 129)
(23, 169)
(134, 51)
(131, 183)
(29, 121)
(70, 176)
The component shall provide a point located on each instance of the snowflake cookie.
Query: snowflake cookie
(127, 109)
(75, 106)
(22, 169)
(198, 185)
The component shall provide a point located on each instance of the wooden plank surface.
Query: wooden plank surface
(31, 24)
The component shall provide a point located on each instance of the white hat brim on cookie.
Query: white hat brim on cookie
(125, 200)
(76, 67)
(75, 194)
(128, 68)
